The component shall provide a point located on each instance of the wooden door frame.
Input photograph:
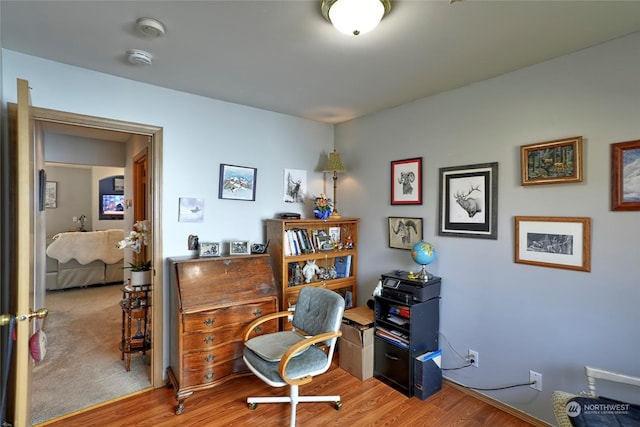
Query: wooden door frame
(155, 204)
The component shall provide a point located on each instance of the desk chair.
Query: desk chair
(290, 357)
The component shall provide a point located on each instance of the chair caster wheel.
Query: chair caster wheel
(337, 405)
(252, 406)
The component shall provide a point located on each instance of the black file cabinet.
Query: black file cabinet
(407, 321)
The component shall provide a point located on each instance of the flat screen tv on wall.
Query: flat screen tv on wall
(112, 206)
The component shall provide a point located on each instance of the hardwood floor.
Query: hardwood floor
(365, 403)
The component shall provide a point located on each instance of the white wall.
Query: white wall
(518, 317)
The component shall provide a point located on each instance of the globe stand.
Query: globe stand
(424, 275)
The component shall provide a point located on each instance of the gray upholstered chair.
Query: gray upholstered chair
(292, 357)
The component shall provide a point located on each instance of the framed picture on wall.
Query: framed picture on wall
(404, 232)
(406, 181)
(552, 162)
(560, 242)
(51, 194)
(237, 182)
(625, 169)
(469, 201)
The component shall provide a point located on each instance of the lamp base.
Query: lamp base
(335, 214)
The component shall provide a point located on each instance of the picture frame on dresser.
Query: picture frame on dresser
(209, 249)
(625, 194)
(551, 162)
(239, 247)
(560, 242)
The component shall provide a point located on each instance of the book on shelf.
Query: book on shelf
(343, 266)
(399, 310)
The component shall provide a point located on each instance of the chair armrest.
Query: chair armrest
(294, 349)
(260, 320)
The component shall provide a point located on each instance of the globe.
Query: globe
(423, 253)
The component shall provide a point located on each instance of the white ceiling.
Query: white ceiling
(283, 56)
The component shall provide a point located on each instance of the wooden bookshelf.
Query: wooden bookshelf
(285, 256)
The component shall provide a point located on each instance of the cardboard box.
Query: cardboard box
(427, 374)
(356, 343)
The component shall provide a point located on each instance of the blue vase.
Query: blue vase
(321, 214)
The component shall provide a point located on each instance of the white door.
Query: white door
(24, 204)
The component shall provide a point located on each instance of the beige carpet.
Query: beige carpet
(82, 366)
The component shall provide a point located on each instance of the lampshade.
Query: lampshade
(335, 163)
(355, 16)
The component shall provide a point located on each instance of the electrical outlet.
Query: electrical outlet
(473, 358)
(74, 219)
(536, 379)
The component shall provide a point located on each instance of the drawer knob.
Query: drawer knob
(258, 329)
(209, 358)
(209, 339)
(208, 376)
(257, 312)
(391, 356)
(209, 321)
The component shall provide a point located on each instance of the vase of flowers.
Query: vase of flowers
(135, 240)
(322, 207)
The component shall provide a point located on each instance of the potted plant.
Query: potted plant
(322, 207)
(135, 240)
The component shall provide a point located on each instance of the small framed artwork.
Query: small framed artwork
(552, 162)
(51, 194)
(118, 184)
(404, 232)
(239, 247)
(406, 181)
(469, 201)
(560, 242)
(237, 182)
(625, 168)
(190, 209)
(209, 249)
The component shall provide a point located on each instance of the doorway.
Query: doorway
(106, 129)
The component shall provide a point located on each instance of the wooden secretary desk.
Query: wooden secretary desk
(212, 301)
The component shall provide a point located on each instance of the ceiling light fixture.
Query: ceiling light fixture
(150, 27)
(139, 57)
(355, 17)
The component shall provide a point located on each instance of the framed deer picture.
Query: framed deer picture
(406, 181)
(469, 201)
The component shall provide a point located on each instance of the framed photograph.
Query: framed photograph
(237, 182)
(625, 168)
(190, 209)
(118, 184)
(51, 194)
(406, 181)
(469, 201)
(239, 247)
(209, 249)
(404, 232)
(552, 162)
(560, 242)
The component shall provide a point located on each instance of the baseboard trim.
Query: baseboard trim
(497, 404)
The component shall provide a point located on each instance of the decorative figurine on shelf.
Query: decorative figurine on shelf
(297, 275)
(349, 243)
(309, 270)
(332, 272)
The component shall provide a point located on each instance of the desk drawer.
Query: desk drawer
(210, 374)
(392, 365)
(213, 319)
(212, 356)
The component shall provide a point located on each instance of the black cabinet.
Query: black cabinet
(407, 321)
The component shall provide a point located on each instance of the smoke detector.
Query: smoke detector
(150, 27)
(139, 57)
